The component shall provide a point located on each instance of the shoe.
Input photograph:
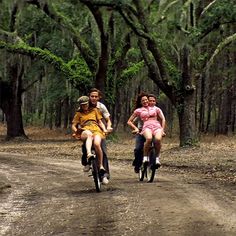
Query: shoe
(86, 168)
(158, 163)
(105, 180)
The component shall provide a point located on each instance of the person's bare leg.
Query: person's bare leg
(88, 137)
(157, 145)
(97, 145)
(148, 136)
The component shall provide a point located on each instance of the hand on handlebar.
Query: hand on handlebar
(105, 132)
(109, 129)
(135, 131)
(77, 133)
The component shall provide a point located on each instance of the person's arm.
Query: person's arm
(163, 120)
(130, 122)
(106, 115)
(74, 125)
(109, 124)
(99, 120)
(103, 127)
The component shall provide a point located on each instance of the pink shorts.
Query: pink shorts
(152, 125)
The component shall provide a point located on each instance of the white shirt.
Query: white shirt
(103, 110)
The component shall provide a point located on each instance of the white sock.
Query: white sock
(158, 160)
(145, 158)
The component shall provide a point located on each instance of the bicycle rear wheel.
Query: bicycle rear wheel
(96, 175)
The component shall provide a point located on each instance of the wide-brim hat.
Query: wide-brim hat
(83, 100)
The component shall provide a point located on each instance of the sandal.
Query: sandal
(90, 155)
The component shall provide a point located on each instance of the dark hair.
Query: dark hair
(95, 90)
(138, 103)
(151, 95)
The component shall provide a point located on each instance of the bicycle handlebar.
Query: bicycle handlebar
(135, 132)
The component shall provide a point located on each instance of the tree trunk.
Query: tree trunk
(202, 105)
(103, 63)
(209, 111)
(186, 104)
(50, 121)
(186, 115)
(66, 107)
(58, 115)
(12, 103)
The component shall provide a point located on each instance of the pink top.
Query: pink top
(149, 117)
(147, 112)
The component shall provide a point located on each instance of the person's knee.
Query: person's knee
(157, 140)
(158, 136)
(97, 145)
(90, 135)
(148, 140)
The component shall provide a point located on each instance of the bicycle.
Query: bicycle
(94, 169)
(148, 169)
(105, 158)
(97, 174)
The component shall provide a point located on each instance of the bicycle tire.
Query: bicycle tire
(151, 170)
(96, 175)
(142, 171)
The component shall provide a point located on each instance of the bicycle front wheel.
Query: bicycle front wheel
(151, 170)
(96, 176)
(142, 171)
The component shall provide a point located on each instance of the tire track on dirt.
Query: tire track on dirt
(56, 198)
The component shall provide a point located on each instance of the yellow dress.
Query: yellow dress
(89, 121)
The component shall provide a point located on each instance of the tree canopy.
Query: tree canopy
(174, 48)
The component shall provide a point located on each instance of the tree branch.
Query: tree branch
(63, 21)
(73, 76)
(219, 48)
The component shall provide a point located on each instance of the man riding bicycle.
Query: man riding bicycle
(94, 97)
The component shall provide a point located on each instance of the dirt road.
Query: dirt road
(44, 196)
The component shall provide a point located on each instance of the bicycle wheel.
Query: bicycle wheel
(142, 171)
(96, 176)
(151, 170)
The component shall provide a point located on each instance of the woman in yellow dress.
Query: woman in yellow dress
(88, 126)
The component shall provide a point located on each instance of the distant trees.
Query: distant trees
(123, 47)
(173, 45)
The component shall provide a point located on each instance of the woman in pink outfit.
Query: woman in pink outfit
(153, 123)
